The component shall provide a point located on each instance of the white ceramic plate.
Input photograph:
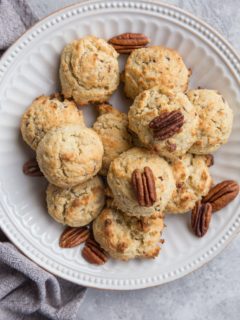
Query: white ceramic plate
(30, 68)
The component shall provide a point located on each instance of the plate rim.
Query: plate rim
(90, 280)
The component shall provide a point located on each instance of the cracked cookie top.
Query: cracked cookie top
(112, 127)
(120, 181)
(70, 155)
(215, 120)
(154, 66)
(125, 237)
(153, 104)
(45, 113)
(76, 206)
(89, 70)
(193, 181)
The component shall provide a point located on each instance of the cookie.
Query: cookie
(153, 103)
(154, 66)
(70, 155)
(215, 120)
(76, 206)
(125, 237)
(120, 181)
(45, 113)
(89, 70)
(193, 181)
(111, 126)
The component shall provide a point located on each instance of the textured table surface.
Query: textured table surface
(212, 292)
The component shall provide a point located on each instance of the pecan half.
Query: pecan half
(127, 42)
(200, 218)
(144, 187)
(167, 124)
(222, 194)
(72, 237)
(93, 253)
(31, 168)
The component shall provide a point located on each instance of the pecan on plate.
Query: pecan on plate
(93, 253)
(127, 42)
(144, 187)
(200, 218)
(222, 194)
(73, 236)
(31, 168)
(167, 124)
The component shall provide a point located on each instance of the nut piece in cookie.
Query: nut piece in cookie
(70, 155)
(193, 181)
(124, 237)
(134, 198)
(154, 66)
(76, 206)
(201, 218)
(45, 113)
(215, 120)
(89, 70)
(112, 127)
(165, 122)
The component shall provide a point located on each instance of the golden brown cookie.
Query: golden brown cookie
(193, 181)
(89, 70)
(70, 155)
(152, 104)
(76, 206)
(215, 120)
(45, 113)
(154, 66)
(125, 237)
(120, 180)
(111, 126)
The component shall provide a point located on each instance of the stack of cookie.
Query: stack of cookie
(155, 159)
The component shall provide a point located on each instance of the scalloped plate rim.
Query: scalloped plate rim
(109, 283)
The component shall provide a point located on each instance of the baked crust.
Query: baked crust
(125, 237)
(193, 181)
(215, 120)
(76, 206)
(120, 181)
(154, 66)
(70, 155)
(112, 127)
(152, 103)
(89, 70)
(45, 113)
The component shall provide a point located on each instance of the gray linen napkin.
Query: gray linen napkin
(15, 18)
(26, 290)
